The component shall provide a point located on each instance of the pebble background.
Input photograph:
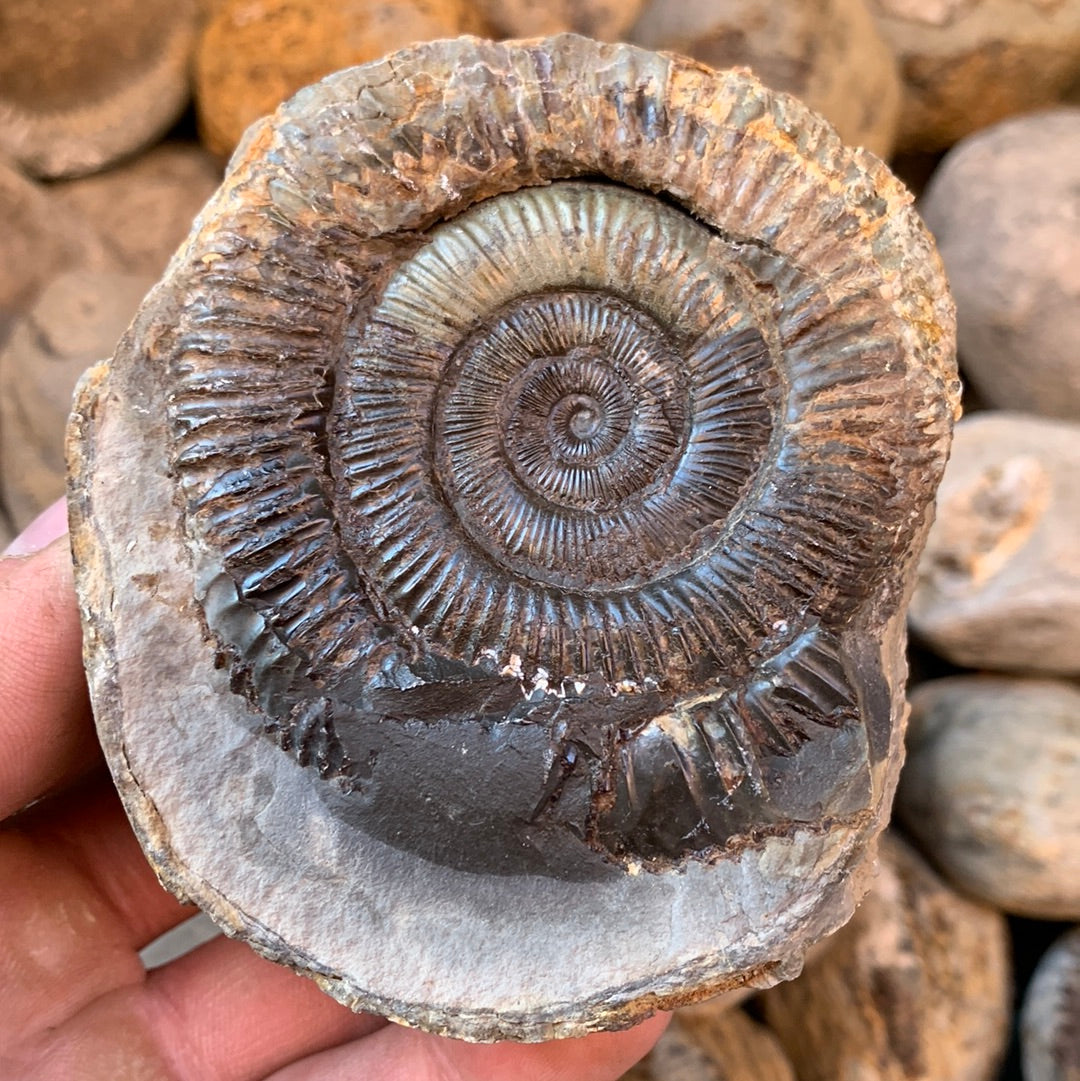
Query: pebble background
(998, 599)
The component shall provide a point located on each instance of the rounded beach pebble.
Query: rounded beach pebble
(915, 988)
(144, 208)
(999, 582)
(36, 243)
(1050, 1021)
(831, 55)
(72, 324)
(606, 20)
(970, 63)
(727, 1045)
(990, 789)
(1004, 207)
(84, 84)
(253, 54)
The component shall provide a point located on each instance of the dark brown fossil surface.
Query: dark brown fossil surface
(494, 534)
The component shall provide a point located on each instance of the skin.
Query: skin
(78, 901)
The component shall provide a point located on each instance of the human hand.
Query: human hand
(78, 901)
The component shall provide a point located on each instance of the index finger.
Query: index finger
(46, 728)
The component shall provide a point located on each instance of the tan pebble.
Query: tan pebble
(606, 20)
(82, 85)
(827, 52)
(969, 63)
(674, 1058)
(75, 321)
(1003, 207)
(143, 210)
(738, 1048)
(725, 1044)
(37, 240)
(1050, 1021)
(253, 54)
(915, 988)
(991, 789)
(999, 582)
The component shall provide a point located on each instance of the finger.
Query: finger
(220, 1013)
(62, 945)
(88, 830)
(45, 723)
(240, 1017)
(41, 532)
(400, 1054)
(65, 923)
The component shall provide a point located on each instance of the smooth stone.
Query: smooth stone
(830, 54)
(83, 253)
(999, 582)
(991, 789)
(143, 209)
(726, 1045)
(83, 85)
(253, 54)
(1050, 1019)
(38, 240)
(605, 20)
(970, 63)
(75, 321)
(1003, 207)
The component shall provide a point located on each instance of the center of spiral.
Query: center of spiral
(586, 417)
(534, 444)
(592, 425)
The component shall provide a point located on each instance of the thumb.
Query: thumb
(41, 532)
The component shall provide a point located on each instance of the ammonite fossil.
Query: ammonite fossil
(494, 533)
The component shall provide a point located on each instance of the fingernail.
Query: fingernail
(41, 532)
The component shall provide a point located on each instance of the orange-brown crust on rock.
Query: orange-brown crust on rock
(253, 54)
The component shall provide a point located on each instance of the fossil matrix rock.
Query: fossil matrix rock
(494, 534)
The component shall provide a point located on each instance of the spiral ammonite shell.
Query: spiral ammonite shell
(494, 533)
